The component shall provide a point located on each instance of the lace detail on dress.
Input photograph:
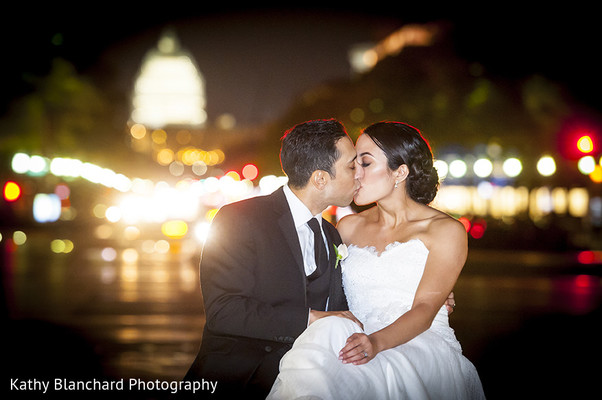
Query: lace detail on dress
(390, 246)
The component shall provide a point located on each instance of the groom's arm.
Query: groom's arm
(229, 274)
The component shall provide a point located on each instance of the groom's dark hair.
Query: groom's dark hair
(310, 146)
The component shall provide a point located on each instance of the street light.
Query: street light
(586, 165)
(457, 168)
(442, 168)
(546, 166)
(483, 167)
(512, 167)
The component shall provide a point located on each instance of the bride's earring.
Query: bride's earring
(396, 184)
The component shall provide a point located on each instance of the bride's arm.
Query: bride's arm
(447, 255)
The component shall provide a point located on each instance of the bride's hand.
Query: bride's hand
(359, 349)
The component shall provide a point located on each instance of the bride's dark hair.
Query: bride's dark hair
(403, 144)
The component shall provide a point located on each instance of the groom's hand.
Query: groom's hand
(315, 315)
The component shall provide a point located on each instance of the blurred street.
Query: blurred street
(121, 136)
(518, 313)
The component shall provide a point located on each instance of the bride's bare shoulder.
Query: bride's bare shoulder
(348, 223)
(351, 224)
(445, 225)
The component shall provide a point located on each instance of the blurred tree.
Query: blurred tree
(452, 101)
(64, 115)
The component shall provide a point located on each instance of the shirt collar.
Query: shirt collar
(301, 213)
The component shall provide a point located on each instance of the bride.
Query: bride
(404, 259)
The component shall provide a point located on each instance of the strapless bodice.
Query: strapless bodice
(380, 287)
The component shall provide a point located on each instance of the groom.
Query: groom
(268, 267)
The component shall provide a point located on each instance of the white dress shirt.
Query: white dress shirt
(301, 215)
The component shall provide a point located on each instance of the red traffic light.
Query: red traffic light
(585, 144)
(578, 137)
(12, 191)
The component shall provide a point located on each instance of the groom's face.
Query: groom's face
(345, 184)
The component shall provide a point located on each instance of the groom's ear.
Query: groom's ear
(319, 179)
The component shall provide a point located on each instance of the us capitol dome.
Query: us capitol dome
(169, 89)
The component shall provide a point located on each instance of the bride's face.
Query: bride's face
(376, 179)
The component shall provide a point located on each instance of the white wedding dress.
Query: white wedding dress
(379, 289)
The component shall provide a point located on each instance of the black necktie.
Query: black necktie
(319, 248)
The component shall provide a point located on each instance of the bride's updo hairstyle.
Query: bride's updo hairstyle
(403, 144)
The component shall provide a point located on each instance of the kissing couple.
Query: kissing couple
(298, 309)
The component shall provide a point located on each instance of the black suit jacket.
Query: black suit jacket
(254, 290)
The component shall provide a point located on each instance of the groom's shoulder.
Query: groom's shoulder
(251, 206)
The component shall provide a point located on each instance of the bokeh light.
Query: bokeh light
(19, 238)
(46, 207)
(596, 174)
(138, 131)
(586, 165)
(20, 163)
(108, 254)
(12, 191)
(61, 246)
(512, 167)
(174, 229)
(250, 172)
(457, 168)
(585, 144)
(483, 167)
(546, 166)
(442, 168)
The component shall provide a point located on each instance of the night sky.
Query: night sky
(255, 60)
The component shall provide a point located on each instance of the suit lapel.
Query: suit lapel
(330, 243)
(287, 225)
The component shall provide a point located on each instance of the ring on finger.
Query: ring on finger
(365, 354)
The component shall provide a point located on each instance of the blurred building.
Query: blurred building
(169, 122)
(169, 88)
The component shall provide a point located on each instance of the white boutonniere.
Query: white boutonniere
(341, 253)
